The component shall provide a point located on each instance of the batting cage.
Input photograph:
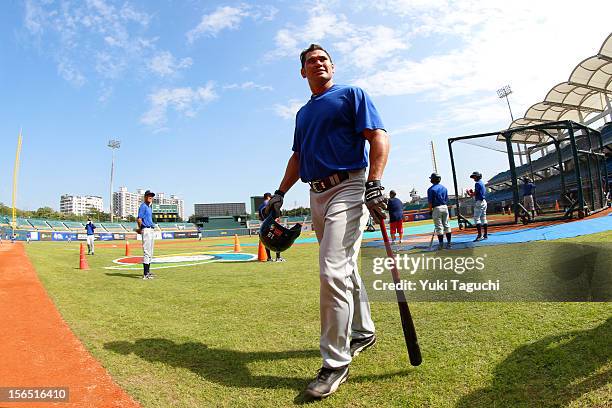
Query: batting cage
(549, 171)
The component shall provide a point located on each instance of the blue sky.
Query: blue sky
(203, 94)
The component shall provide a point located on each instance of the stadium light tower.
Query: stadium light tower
(113, 144)
(503, 93)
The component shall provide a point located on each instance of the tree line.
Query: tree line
(49, 213)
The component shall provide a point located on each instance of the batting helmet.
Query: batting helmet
(435, 178)
(476, 174)
(275, 237)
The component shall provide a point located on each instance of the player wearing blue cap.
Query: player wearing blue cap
(480, 206)
(90, 227)
(437, 197)
(329, 153)
(146, 229)
(396, 216)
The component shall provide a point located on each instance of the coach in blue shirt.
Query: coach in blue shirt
(480, 206)
(90, 227)
(437, 197)
(329, 153)
(396, 216)
(145, 228)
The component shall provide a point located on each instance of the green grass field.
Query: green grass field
(246, 334)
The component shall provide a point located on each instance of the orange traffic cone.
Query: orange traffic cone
(261, 253)
(557, 205)
(236, 243)
(82, 259)
(127, 248)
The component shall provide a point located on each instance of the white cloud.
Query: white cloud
(289, 110)
(526, 44)
(70, 73)
(182, 100)
(248, 85)
(94, 35)
(165, 64)
(361, 46)
(229, 18)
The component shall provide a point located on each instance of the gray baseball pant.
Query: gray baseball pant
(440, 218)
(339, 217)
(148, 238)
(90, 243)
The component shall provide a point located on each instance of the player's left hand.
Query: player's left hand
(375, 200)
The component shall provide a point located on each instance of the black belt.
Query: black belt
(319, 186)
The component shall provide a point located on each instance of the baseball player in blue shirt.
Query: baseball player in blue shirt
(329, 153)
(396, 216)
(437, 196)
(145, 228)
(90, 227)
(480, 205)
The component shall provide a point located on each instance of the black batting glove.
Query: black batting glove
(375, 200)
(275, 203)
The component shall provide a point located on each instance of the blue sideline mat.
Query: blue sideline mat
(549, 232)
(408, 230)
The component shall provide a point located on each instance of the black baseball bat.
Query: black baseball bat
(410, 336)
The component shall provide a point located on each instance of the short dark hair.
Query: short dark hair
(312, 47)
(267, 195)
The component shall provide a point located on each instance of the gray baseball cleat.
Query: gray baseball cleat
(327, 381)
(359, 345)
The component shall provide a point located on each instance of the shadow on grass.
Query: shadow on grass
(553, 371)
(125, 275)
(225, 367)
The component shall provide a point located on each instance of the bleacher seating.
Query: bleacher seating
(111, 226)
(23, 223)
(57, 225)
(129, 226)
(186, 226)
(74, 226)
(39, 224)
(167, 226)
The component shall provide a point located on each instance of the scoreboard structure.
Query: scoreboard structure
(165, 213)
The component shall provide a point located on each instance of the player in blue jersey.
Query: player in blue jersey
(146, 229)
(480, 206)
(329, 153)
(528, 201)
(396, 216)
(90, 227)
(437, 197)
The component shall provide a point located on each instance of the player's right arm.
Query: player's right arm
(292, 173)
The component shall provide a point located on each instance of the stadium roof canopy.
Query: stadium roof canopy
(585, 94)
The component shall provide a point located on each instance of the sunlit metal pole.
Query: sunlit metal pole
(503, 93)
(113, 144)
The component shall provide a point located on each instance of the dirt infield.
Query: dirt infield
(38, 348)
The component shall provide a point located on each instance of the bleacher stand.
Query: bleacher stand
(111, 226)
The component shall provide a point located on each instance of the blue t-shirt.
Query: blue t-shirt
(329, 132)
(437, 195)
(260, 210)
(480, 192)
(145, 213)
(90, 228)
(528, 189)
(396, 209)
